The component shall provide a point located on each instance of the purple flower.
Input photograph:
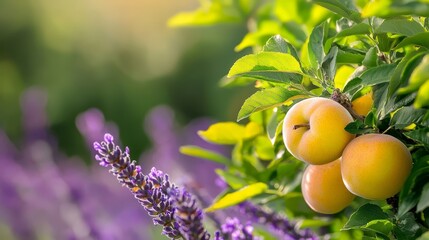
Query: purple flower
(232, 229)
(152, 190)
(279, 223)
(189, 216)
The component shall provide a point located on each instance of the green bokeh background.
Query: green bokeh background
(118, 56)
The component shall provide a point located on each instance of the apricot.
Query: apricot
(375, 166)
(313, 130)
(362, 105)
(323, 188)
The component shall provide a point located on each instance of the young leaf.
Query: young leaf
(200, 152)
(278, 44)
(238, 196)
(265, 99)
(268, 66)
(223, 133)
(357, 29)
(265, 62)
(424, 199)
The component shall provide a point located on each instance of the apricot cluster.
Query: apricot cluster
(341, 165)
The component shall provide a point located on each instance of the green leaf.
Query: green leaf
(263, 148)
(402, 26)
(404, 68)
(370, 58)
(315, 46)
(234, 181)
(377, 75)
(238, 196)
(353, 86)
(269, 66)
(369, 217)
(419, 39)
(407, 115)
(406, 227)
(329, 64)
(410, 193)
(424, 199)
(358, 127)
(357, 29)
(278, 44)
(224, 133)
(344, 8)
(264, 99)
(420, 135)
(200, 152)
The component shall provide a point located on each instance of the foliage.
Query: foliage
(305, 49)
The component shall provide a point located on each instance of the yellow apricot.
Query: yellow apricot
(323, 188)
(363, 104)
(375, 166)
(313, 130)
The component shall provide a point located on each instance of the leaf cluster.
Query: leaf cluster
(305, 49)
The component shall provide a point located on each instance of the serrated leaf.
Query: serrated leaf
(265, 99)
(407, 115)
(224, 133)
(406, 227)
(203, 153)
(278, 44)
(419, 39)
(238, 196)
(424, 199)
(364, 215)
(377, 75)
(420, 135)
(344, 8)
(402, 26)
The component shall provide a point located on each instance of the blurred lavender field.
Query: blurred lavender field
(45, 194)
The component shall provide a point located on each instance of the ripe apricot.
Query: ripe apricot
(313, 130)
(375, 166)
(323, 188)
(363, 104)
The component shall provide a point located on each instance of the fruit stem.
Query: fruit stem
(306, 125)
(342, 99)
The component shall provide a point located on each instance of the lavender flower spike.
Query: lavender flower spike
(232, 229)
(189, 216)
(151, 190)
(279, 223)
